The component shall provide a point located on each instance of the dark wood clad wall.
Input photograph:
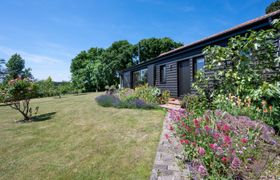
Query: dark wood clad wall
(151, 75)
(171, 78)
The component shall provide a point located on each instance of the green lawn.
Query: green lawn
(77, 139)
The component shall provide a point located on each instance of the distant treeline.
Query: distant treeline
(96, 68)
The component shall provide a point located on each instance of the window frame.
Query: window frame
(195, 70)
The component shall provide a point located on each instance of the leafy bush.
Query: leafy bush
(194, 103)
(110, 89)
(248, 68)
(149, 94)
(126, 93)
(219, 145)
(265, 112)
(18, 93)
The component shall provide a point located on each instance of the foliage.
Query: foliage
(82, 67)
(152, 47)
(46, 87)
(264, 111)
(143, 97)
(16, 68)
(92, 70)
(243, 65)
(247, 67)
(18, 93)
(110, 89)
(148, 94)
(274, 6)
(217, 144)
(194, 103)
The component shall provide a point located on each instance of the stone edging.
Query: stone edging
(165, 165)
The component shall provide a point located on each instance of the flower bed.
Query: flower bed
(143, 97)
(219, 145)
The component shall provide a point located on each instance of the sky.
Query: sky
(48, 34)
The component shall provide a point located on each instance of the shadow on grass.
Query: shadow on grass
(44, 117)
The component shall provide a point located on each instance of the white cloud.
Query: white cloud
(35, 58)
(42, 66)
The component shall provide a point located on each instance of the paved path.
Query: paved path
(165, 165)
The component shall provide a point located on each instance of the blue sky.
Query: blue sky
(49, 33)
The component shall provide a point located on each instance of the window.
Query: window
(139, 77)
(198, 65)
(163, 74)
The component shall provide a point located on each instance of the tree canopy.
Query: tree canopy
(274, 6)
(153, 47)
(16, 68)
(94, 69)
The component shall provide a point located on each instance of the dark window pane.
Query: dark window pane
(162, 74)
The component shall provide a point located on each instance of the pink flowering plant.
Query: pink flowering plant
(215, 147)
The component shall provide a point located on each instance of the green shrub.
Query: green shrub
(147, 93)
(17, 94)
(126, 93)
(194, 103)
(265, 112)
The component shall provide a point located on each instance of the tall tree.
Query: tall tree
(153, 47)
(15, 66)
(117, 57)
(274, 6)
(80, 68)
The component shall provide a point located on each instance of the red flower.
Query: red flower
(207, 128)
(184, 141)
(207, 118)
(183, 124)
(227, 140)
(216, 136)
(224, 159)
(244, 140)
(167, 136)
(171, 127)
(213, 146)
(196, 123)
(219, 126)
(226, 128)
(188, 128)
